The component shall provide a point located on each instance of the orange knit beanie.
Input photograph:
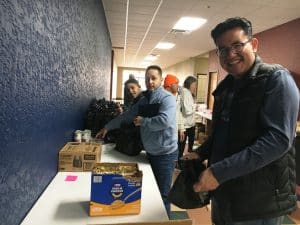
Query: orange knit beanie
(170, 79)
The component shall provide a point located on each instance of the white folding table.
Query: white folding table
(67, 202)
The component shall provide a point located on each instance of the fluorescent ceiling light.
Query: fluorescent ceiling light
(165, 45)
(189, 23)
(151, 57)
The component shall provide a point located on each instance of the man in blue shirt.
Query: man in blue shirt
(158, 130)
(251, 154)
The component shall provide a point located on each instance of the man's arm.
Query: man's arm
(115, 123)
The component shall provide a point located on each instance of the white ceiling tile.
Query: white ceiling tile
(264, 14)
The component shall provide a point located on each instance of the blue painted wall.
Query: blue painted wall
(55, 56)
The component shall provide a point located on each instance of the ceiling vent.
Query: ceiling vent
(177, 31)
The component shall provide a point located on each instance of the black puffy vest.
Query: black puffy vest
(269, 191)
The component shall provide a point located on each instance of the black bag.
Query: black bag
(99, 113)
(128, 140)
(182, 193)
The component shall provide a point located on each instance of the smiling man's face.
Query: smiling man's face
(234, 62)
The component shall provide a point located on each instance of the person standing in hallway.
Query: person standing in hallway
(128, 98)
(158, 131)
(188, 111)
(135, 92)
(251, 154)
(171, 84)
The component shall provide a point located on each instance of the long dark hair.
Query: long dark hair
(188, 81)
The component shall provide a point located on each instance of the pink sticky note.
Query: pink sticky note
(70, 178)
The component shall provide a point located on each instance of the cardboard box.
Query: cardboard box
(115, 189)
(171, 222)
(74, 156)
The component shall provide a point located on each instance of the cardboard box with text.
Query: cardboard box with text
(115, 189)
(77, 157)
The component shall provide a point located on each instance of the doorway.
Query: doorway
(212, 84)
(202, 87)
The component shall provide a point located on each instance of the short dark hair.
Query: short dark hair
(188, 81)
(231, 23)
(154, 67)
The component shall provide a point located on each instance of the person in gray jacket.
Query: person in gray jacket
(188, 95)
(251, 154)
(155, 113)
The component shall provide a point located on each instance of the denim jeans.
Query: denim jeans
(163, 168)
(190, 134)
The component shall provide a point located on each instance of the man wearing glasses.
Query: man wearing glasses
(251, 156)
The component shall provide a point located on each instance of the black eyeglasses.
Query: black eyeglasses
(235, 48)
